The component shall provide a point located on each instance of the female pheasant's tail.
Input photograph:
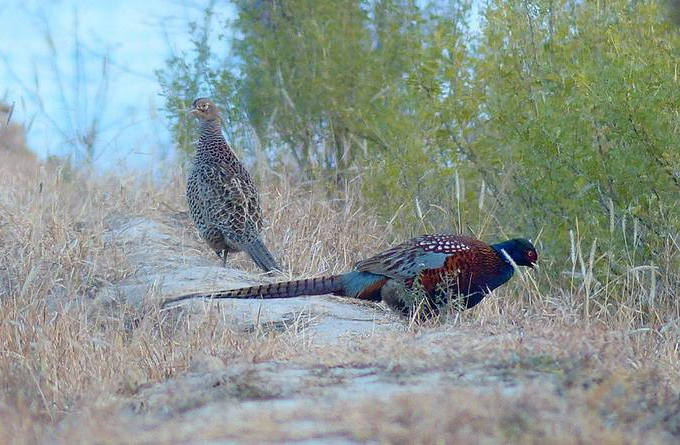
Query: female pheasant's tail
(261, 255)
(285, 289)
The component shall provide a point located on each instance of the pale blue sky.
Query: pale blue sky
(137, 35)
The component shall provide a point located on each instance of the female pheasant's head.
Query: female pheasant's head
(522, 252)
(205, 110)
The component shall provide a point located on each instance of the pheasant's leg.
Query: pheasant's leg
(224, 258)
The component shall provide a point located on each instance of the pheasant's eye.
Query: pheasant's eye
(531, 255)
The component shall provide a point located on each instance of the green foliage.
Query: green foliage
(582, 100)
(546, 115)
(321, 78)
(362, 87)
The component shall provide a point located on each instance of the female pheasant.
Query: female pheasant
(443, 265)
(222, 198)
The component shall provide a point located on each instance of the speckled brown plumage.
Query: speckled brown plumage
(222, 198)
(446, 267)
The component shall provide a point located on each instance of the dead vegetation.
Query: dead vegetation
(536, 362)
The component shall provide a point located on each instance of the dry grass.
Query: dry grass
(609, 353)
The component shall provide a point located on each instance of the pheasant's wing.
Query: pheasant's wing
(408, 259)
(401, 265)
(231, 203)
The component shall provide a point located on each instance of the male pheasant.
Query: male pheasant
(223, 201)
(443, 265)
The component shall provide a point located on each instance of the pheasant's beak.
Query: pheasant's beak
(534, 266)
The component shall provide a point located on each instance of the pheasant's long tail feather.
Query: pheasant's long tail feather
(285, 289)
(261, 255)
